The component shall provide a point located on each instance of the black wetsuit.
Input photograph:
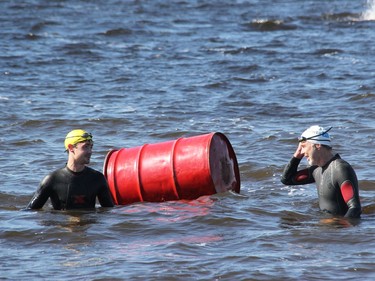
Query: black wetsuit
(337, 185)
(71, 190)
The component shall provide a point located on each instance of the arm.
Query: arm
(349, 192)
(291, 175)
(104, 196)
(346, 179)
(41, 195)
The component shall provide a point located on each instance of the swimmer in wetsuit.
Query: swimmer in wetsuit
(75, 186)
(336, 181)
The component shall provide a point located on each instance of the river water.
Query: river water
(136, 72)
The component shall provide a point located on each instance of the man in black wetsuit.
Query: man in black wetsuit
(75, 186)
(336, 181)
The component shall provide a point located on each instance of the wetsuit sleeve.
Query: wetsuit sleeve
(354, 210)
(41, 195)
(104, 196)
(291, 176)
(349, 191)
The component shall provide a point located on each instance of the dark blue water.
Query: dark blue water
(135, 72)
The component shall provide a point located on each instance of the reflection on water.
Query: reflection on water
(72, 221)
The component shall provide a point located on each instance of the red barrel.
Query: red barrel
(186, 168)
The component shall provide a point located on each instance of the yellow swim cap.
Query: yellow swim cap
(76, 136)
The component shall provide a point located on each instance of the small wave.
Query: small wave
(13, 202)
(79, 48)
(4, 98)
(368, 209)
(118, 32)
(26, 143)
(240, 50)
(41, 25)
(365, 97)
(259, 79)
(35, 123)
(216, 85)
(328, 51)
(269, 25)
(244, 68)
(32, 36)
(345, 16)
(369, 14)
(367, 185)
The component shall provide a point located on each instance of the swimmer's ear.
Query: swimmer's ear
(318, 146)
(70, 147)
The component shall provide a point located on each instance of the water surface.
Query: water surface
(135, 72)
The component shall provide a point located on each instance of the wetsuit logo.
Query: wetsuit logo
(79, 199)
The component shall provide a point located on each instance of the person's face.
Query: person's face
(310, 152)
(82, 152)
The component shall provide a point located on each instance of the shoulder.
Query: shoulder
(343, 169)
(90, 170)
(340, 163)
(93, 173)
(53, 175)
(315, 170)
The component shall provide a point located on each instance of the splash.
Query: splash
(369, 14)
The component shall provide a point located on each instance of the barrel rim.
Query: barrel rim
(232, 152)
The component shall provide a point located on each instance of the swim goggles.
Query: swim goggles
(303, 139)
(81, 138)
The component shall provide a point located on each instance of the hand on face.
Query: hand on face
(298, 154)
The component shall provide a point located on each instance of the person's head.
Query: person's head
(78, 143)
(316, 144)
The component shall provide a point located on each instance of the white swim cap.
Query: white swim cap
(317, 135)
